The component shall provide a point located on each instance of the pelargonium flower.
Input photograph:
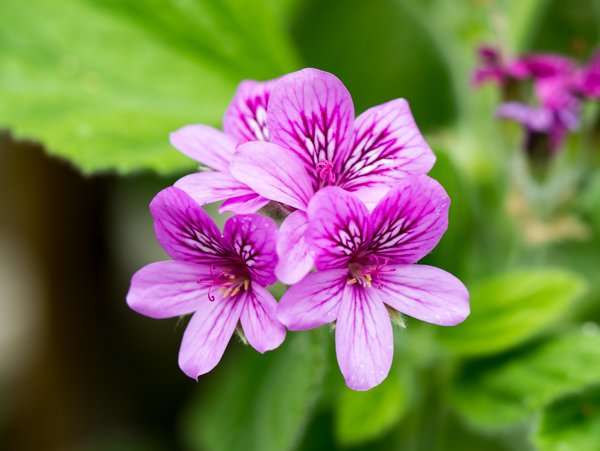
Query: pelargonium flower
(365, 262)
(220, 278)
(315, 142)
(244, 120)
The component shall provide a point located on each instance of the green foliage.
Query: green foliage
(571, 424)
(508, 390)
(262, 402)
(364, 416)
(509, 309)
(102, 83)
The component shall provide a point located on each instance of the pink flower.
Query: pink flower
(587, 80)
(316, 142)
(245, 120)
(220, 278)
(366, 262)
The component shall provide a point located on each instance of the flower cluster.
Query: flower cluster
(356, 206)
(560, 86)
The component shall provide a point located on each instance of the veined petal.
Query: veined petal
(295, 256)
(311, 113)
(168, 289)
(212, 186)
(314, 301)
(252, 238)
(246, 117)
(339, 227)
(259, 321)
(410, 220)
(364, 340)
(248, 203)
(205, 144)
(426, 293)
(388, 146)
(273, 172)
(184, 230)
(208, 334)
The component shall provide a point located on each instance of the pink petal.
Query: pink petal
(295, 257)
(212, 186)
(168, 289)
(388, 146)
(205, 144)
(184, 230)
(248, 203)
(311, 113)
(426, 293)
(364, 340)
(246, 117)
(273, 172)
(339, 226)
(208, 334)
(314, 301)
(410, 220)
(261, 327)
(253, 238)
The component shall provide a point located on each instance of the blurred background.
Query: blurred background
(90, 89)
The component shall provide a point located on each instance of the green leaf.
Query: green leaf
(509, 309)
(364, 416)
(506, 391)
(262, 402)
(103, 82)
(571, 424)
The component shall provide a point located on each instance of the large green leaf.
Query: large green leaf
(571, 424)
(508, 309)
(507, 391)
(364, 416)
(263, 402)
(103, 82)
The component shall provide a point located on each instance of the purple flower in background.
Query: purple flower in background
(587, 80)
(245, 120)
(494, 68)
(220, 278)
(315, 142)
(365, 262)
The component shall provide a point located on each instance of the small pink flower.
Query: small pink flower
(365, 262)
(314, 142)
(220, 278)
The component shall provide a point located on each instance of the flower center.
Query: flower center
(369, 272)
(227, 283)
(325, 171)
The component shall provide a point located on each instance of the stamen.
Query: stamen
(325, 171)
(246, 284)
(351, 281)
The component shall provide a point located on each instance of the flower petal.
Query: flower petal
(212, 186)
(248, 203)
(273, 172)
(538, 119)
(388, 146)
(208, 334)
(364, 340)
(295, 257)
(184, 230)
(168, 289)
(261, 327)
(314, 301)
(253, 238)
(339, 227)
(410, 220)
(205, 144)
(311, 113)
(246, 117)
(426, 293)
